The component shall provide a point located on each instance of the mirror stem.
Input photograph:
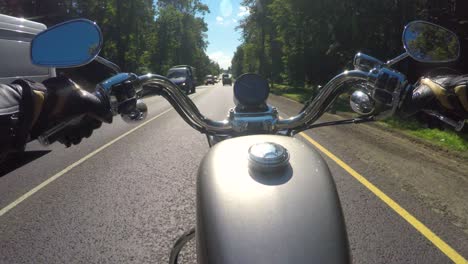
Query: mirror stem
(394, 61)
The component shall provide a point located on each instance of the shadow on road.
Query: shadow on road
(16, 160)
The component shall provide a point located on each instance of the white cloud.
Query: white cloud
(226, 8)
(225, 22)
(243, 11)
(222, 59)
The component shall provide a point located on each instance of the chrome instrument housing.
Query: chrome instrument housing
(265, 122)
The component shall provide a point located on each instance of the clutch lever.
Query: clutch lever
(51, 135)
(457, 125)
(356, 120)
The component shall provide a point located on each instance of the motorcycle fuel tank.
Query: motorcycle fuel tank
(255, 214)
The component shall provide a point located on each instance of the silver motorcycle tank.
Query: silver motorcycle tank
(251, 214)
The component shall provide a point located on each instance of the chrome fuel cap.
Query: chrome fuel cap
(268, 155)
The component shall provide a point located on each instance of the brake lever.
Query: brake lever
(457, 125)
(357, 120)
(51, 135)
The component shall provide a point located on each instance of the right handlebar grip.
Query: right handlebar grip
(417, 99)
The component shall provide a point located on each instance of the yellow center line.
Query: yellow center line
(418, 225)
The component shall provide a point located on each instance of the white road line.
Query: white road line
(85, 158)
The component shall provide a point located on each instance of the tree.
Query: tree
(309, 41)
(139, 35)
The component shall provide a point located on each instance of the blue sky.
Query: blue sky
(222, 35)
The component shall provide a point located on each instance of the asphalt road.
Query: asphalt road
(129, 202)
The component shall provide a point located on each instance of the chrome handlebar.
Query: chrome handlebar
(191, 114)
(184, 105)
(387, 88)
(324, 99)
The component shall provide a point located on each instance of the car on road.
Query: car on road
(209, 79)
(227, 79)
(184, 77)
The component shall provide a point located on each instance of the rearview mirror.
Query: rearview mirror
(427, 42)
(69, 44)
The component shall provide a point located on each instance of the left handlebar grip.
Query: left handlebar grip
(53, 134)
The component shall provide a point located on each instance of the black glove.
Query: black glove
(441, 96)
(74, 133)
(65, 101)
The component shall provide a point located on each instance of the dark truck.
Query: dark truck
(227, 79)
(184, 77)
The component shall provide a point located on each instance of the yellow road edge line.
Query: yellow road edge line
(67, 169)
(418, 225)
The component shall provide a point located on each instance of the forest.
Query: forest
(293, 42)
(306, 42)
(139, 35)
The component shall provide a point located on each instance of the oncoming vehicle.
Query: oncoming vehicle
(184, 77)
(209, 79)
(226, 79)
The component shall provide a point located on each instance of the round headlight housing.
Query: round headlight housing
(251, 90)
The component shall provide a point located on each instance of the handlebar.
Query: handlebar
(386, 84)
(387, 88)
(191, 114)
(184, 105)
(323, 100)
(122, 88)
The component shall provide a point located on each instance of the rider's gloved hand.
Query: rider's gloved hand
(448, 94)
(74, 133)
(63, 101)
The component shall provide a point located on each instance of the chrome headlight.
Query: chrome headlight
(362, 103)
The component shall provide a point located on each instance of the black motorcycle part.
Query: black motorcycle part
(251, 90)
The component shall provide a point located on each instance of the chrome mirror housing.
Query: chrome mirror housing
(70, 44)
(430, 43)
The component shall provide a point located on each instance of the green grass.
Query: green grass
(443, 138)
(298, 94)
(295, 97)
(447, 139)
